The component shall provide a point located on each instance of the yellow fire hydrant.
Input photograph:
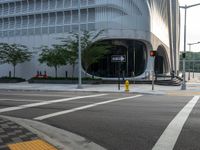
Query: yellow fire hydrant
(126, 86)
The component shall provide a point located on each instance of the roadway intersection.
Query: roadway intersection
(115, 121)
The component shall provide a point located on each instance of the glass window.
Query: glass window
(74, 28)
(11, 8)
(45, 19)
(6, 23)
(1, 24)
(83, 27)
(59, 3)
(31, 31)
(91, 26)
(59, 18)
(12, 23)
(38, 5)
(38, 20)
(59, 29)
(74, 3)
(67, 17)
(67, 28)
(67, 3)
(18, 22)
(1, 9)
(5, 33)
(52, 4)
(5, 8)
(52, 30)
(90, 2)
(45, 4)
(11, 33)
(17, 32)
(31, 21)
(83, 2)
(18, 7)
(24, 32)
(52, 18)
(84, 15)
(75, 16)
(45, 30)
(31, 6)
(24, 6)
(24, 21)
(91, 15)
(37, 31)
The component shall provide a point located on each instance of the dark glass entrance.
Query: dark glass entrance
(136, 58)
(159, 65)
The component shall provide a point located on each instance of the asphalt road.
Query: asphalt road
(115, 121)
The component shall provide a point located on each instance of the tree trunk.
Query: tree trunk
(14, 66)
(56, 71)
(73, 68)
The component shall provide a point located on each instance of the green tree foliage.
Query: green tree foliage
(91, 52)
(14, 54)
(190, 56)
(54, 57)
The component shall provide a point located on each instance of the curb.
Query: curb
(84, 91)
(61, 139)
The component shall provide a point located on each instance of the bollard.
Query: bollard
(126, 86)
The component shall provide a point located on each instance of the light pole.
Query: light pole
(183, 86)
(79, 47)
(190, 45)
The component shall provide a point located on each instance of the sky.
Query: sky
(193, 25)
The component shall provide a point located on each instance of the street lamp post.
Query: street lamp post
(183, 86)
(190, 45)
(79, 47)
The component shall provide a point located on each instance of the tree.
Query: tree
(91, 52)
(54, 57)
(14, 54)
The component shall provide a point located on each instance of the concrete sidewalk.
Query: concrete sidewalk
(193, 88)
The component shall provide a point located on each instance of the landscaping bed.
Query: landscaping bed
(51, 80)
(11, 80)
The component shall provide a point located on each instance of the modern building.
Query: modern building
(135, 27)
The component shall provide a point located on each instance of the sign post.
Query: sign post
(118, 59)
(153, 54)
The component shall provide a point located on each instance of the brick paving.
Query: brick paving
(11, 133)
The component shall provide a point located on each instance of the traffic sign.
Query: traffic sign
(118, 58)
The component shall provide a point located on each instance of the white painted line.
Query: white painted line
(82, 108)
(169, 137)
(22, 100)
(47, 103)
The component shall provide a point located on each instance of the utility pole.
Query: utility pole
(79, 47)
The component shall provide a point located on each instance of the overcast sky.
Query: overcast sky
(193, 24)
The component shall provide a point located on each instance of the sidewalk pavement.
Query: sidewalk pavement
(14, 137)
(193, 88)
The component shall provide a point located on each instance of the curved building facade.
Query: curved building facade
(133, 27)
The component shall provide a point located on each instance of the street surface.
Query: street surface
(116, 121)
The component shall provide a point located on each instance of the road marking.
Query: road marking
(169, 137)
(22, 100)
(47, 102)
(83, 107)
